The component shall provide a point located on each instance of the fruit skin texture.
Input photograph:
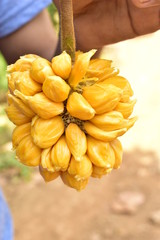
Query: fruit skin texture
(100, 153)
(76, 141)
(45, 133)
(41, 105)
(19, 133)
(40, 69)
(48, 176)
(56, 89)
(28, 153)
(73, 182)
(16, 116)
(62, 65)
(78, 107)
(60, 155)
(80, 170)
(69, 116)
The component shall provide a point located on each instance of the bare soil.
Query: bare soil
(54, 211)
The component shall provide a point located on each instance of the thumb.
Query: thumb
(146, 3)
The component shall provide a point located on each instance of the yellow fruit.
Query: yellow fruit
(48, 176)
(56, 89)
(102, 74)
(28, 153)
(60, 155)
(100, 153)
(40, 69)
(99, 64)
(131, 122)
(102, 99)
(76, 141)
(126, 108)
(118, 151)
(98, 172)
(22, 64)
(11, 81)
(45, 133)
(46, 162)
(102, 135)
(19, 133)
(80, 67)
(41, 105)
(69, 115)
(80, 170)
(78, 107)
(109, 121)
(16, 116)
(72, 182)
(62, 65)
(26, 85)
(21, 106)
(122, 83)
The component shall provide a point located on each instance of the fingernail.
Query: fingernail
(146, 3)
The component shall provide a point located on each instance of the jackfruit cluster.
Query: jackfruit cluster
(68, 116)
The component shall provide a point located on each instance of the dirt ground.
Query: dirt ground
(54, 211)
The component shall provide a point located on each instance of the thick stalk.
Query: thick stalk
(67, 28)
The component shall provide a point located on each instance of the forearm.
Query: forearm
(37, 36)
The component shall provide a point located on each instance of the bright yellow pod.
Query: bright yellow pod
(72, 182)
(22, 64)
(126, 108)
(28, 153)
(99, 64)
(11, 81)
(16, 116)
(21, 106)
(56, 89)
(60, 155)
(102, 99)
(80, 170)
(78, 107)
(26, 85)
(122, 83)
(109, 121)
(48, 176)
(100, 153)
(80, 67)
(102, 74)
(46, 132)
(102, 135)
(99, 172)
(46, 162)
(118, 151)
(19, 133)
(41, 105)
(76, 141)
(62, 65)
(112, 121)
(40, 69)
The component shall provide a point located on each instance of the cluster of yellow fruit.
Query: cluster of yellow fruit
(68, 117)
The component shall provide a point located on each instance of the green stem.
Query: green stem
(67, 28)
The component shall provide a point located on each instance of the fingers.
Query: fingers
(144, 20)
(146, 3)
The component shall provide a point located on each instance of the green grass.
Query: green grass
(8, 161)
(3, 80)
(54, 16)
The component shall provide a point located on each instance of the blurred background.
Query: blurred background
(122, 205)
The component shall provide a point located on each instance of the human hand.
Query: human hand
(102, 22)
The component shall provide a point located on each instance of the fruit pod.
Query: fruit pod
(69, 115)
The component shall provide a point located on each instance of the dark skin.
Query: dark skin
(97, 23)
